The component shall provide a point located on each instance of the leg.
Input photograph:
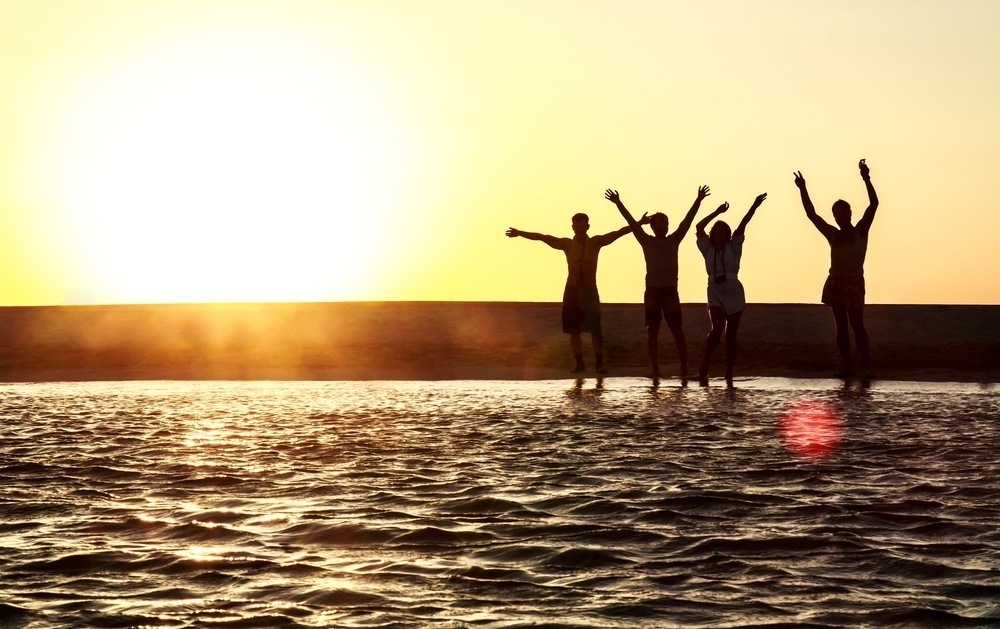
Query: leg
(732, 327)
(577, 346)
(652, 299)
(676, 326)
(653, 345)
(843, 339)
(597, 340)
(572, 317)
(857, 318)
(682, 351)
(718, 318)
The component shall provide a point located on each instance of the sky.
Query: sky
(298, 150)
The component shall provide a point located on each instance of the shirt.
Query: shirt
(725, 262)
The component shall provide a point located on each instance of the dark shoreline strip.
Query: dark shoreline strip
(459, 340)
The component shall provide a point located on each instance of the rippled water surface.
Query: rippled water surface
(496, 504)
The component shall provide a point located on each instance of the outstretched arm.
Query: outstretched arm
(685, 224)
(634, 225)
(824, 228)
(552, 241)
(746, 219)
(700, 227)
(610, 237)
(866, 220)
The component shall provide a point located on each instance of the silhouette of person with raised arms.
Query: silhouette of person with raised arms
(723, 250)
(844, 290)
(581, 307)
(660, 299)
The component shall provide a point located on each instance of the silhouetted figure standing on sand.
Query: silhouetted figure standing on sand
(581, 308)
(844, 290)
(726, 299)
(660, 299)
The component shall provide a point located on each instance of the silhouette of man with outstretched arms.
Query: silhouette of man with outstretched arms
(581, 307)
(844, 290)
(660, 299)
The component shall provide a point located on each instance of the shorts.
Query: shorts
(581, 310)
(729, 296)
(662, 301)
(844, 292)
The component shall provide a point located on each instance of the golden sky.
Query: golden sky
(297, 150)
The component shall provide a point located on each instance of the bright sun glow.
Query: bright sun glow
(226, 165)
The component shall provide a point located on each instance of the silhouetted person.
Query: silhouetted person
(581, 308)
(660, 299)
(726, 299)
(844, 290)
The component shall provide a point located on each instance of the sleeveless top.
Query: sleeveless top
(847, 254)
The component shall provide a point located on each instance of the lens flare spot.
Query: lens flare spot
(812, 429)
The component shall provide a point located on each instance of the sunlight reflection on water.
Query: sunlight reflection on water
(596, 503)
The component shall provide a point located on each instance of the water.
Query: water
(496, 504)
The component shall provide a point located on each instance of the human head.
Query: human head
(659, 223)
(581, 223)
(842, 213)
(720, 234)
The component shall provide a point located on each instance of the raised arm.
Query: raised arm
(866, 220)
(824, 228)
(700, 227)
(746, 219)
(634, 225)
(552, 241)
(685, 224)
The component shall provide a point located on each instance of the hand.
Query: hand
(645, 219)
(800, 181)
(760, 199)
(722, 208)
(612, 195)
(863, 167)
(703, 192)
(513, 233)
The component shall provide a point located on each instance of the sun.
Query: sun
(225, 164)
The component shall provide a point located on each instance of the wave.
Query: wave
(336, 535)
(434, 536)
(485, 506)
(98, 562)
(577, 558)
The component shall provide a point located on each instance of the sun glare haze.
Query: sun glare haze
(314, 151)
(225, 166)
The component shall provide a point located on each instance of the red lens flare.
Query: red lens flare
(812, 429)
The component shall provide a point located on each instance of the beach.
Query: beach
(464, 340)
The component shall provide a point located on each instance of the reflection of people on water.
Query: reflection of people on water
(844, 290)
(660, 299)
(723, 250)
(581, 309)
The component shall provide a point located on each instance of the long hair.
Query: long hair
(721, 232)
